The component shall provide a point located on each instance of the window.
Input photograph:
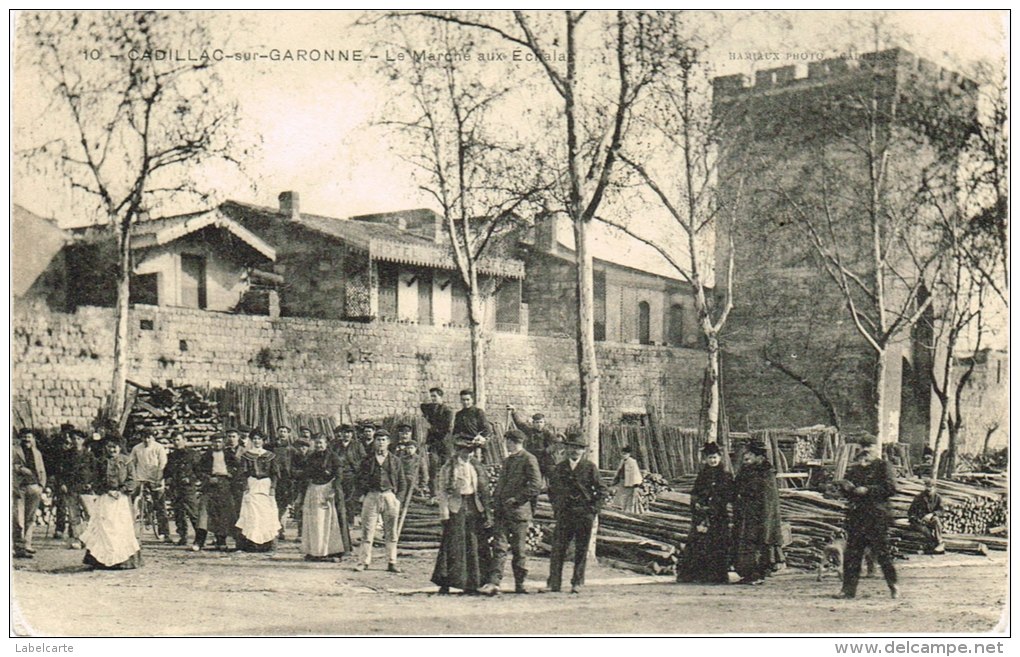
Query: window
(644, 323)
(388, 280)
(144, 288)
(192, 281)
(676, 325)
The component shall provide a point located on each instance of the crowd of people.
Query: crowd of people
(240, 489)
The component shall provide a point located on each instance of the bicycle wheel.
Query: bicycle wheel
(150, 516)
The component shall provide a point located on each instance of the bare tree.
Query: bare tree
(128, 125)
(594, 101)
(481, 181)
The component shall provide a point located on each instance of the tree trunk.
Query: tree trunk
(712, 385)
(883, 432)
(586, 365)
(476, 320)
(120, 345)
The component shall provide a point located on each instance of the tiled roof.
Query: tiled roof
(147, 233)
(382, 241)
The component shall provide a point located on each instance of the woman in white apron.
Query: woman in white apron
(259, 520)
(109, 536)
(629, 475)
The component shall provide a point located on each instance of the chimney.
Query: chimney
(545, 233)
(290, 204)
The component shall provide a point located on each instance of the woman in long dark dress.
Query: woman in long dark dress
(756, 527)
(706, 557)
(259, 520)
(109, 536)
(465, 509)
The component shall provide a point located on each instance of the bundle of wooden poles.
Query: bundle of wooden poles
(652, 542)
(171, 410)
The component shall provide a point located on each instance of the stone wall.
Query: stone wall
(62, 363)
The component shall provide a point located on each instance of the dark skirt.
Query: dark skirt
(461, 561)
(245, 545)
(134, 561)
(706, 557)
(754, 561)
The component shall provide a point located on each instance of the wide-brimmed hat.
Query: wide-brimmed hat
(465, 441)
(757, 448)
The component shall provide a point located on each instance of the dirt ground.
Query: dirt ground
(179, 592)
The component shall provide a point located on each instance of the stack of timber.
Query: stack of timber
(171, 410)
(254, 407)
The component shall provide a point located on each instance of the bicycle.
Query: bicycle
(145, 511)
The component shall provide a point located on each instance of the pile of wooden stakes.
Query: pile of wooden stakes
(171, 410)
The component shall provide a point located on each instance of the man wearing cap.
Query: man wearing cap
(28, 478)
(381, 480)
(868, 485)
(416, 466)
(148, 460)
(541, 438)
(58, 462)
(756, 524)
(465, 509)
(440, 419)
(924, 517)
(576, 493)
(520, 482)
(182, 481)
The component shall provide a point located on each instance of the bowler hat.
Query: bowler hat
(464, 441)
(575, 439)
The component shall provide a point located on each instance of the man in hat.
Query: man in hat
(350, 453)
(576, 493)
(520, 482)
(541, 438)
(868, 485)
(78, 479)
(758, 535)
(59, 464)
(465, 509)
(440, 419)
(148, 461)
(381, 480)
(28, 478)
(182, 481)
(924, 517)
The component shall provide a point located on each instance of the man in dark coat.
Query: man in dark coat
(541, 439)
(465, 509)
(757, 535)
(576, 493)
(218, 470)
(470, 420)
(440, 419)
(706, 556)
(351, 454)
(286, 491)
(58, 464)
(520, 482)
(924, 518)
(182, 477)
(868, 485)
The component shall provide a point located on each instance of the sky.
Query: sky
(317, 120)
